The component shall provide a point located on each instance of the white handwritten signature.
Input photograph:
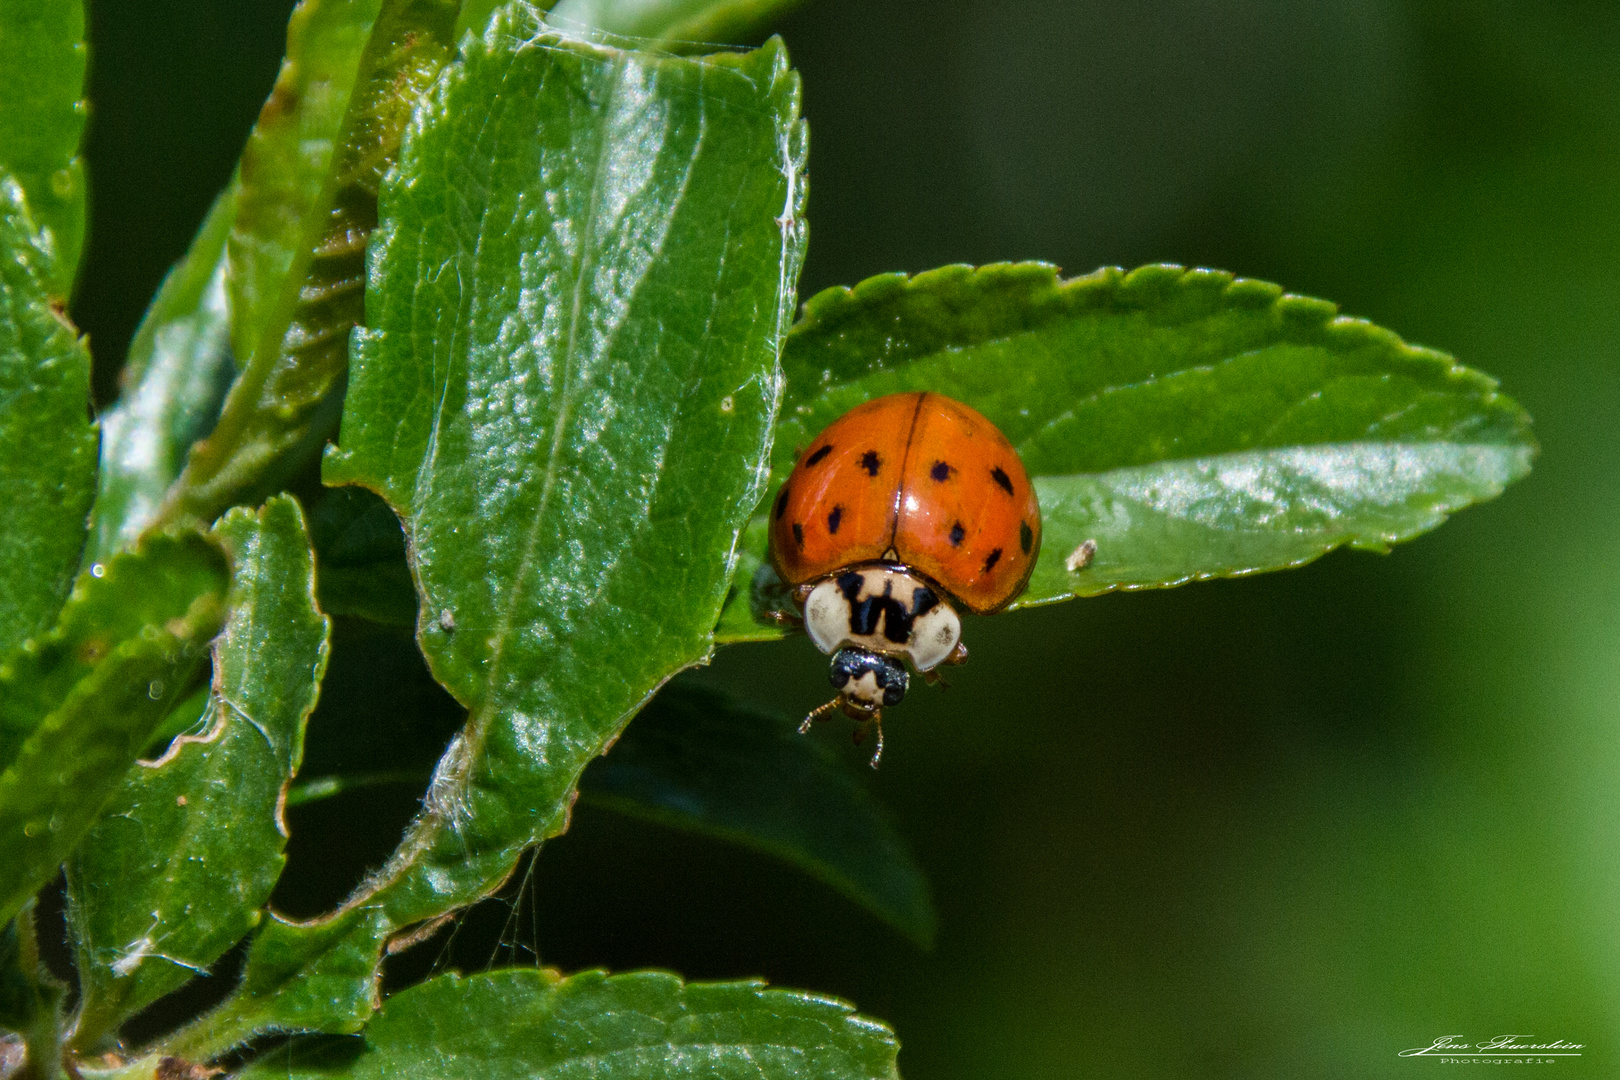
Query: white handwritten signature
(1500, 1046)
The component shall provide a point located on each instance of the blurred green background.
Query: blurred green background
(1280, 827)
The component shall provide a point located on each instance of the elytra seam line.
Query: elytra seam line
(905, 459)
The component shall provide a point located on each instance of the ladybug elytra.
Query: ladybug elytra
(900, 509)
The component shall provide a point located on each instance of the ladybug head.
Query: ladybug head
(867, 682)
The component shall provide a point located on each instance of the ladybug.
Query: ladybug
(903, 508)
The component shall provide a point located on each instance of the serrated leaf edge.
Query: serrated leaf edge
(1052, 297)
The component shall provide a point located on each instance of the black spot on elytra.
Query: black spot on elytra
(834, 518)
(871, 462)
(957, 533)
(940, 471)
(1026, 536)
(990, 562)
(817, 457)
(781, 503)
(798, 534)
(1001, 478)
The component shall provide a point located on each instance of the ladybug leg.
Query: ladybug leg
(957, 655)
(819, 713)
(860, 737)
(771, 600)
(785, 608)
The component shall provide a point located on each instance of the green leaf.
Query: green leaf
(47, 444)
(308, 201)
(1193, 424)
(669, 23)
(532, 1023)
(77, 705)
(189, 849)
(574, 306)
(566, 390)
(288, 169)
(697, 759)
(317, 976)
(116, 602)
(174, 382)
(42, 114)
(360, 552)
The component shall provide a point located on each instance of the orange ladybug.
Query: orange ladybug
(900, 508)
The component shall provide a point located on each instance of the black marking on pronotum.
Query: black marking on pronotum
(834, 518)
(781, 503)
(941, 471)
(871, 462)
(817, 457)
(1026, 536)
(849, 583)
(957, 533)
(991, 560)
(798, 534)
(1002, 478)
(897, 619)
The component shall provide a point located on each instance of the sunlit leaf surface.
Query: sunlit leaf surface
(319, 976)
(307, 203)
(77, 704)
(565, 389)
(638, 1026)
(191, 845)
(574, 462)
(1192, 424)
(174, 381)
(42, 115)
(47, 444)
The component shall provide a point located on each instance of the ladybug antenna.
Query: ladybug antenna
(818, 714)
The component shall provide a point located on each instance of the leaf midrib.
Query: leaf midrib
(477, 725)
